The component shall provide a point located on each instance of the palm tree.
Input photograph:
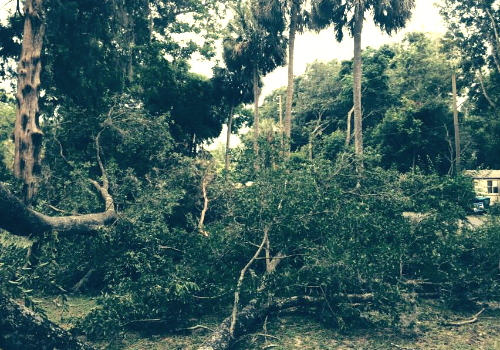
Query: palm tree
(295, 22)
(255, 41)
(388, 15)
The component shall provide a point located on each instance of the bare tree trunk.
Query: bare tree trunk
(348, 133)
(483, 88)
(228, 138)
(357, 71)
(455, 123)
(414, 160)
(289, 91)
(21, 328)
(27, 132)
(495, 45)
(256, 116)
(280, 107)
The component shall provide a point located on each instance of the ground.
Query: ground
(304, 333)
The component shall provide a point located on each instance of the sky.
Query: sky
(313, 46)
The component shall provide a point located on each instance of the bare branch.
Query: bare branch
(463, 322)
(205, 207)
(485, 93)
(240, 282)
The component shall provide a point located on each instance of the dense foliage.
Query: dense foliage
(118, 94)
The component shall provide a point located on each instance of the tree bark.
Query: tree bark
(455, 123)
(289, 91)
(348, 132)
(228, 138)
(21, 328)
(256, 116)
(20, 220)
(357, 71)
(27, 132)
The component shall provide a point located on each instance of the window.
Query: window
(492, 186)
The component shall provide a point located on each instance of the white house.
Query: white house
(486, 183)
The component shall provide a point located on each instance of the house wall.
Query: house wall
(481, 188)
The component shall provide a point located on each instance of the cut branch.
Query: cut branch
(18, 219)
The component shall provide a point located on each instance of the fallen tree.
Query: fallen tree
(20, 220)
(21, 328)
(256, 311)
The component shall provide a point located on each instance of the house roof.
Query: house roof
(483, 174)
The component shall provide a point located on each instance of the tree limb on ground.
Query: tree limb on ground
(464, 322)
(20, 220)
(248, 317)
(21, 328)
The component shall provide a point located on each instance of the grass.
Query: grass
(296, 332)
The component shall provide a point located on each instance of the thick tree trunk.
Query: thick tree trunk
(455, 123)
(27, 133)
(228, 138)
(289, 91)
(256, 116)
(357, 70)
(21, 328)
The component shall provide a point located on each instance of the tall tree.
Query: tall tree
(388, 15)
(417, 130)
(27, 133)
(295, 24)
(255, 40)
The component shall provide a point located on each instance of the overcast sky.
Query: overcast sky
(323, 46)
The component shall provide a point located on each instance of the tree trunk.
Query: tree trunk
(256, 116)
(280, 111)
(357, 69)
(455, 123)
(348, 132)
(27, 133)
(289, 91)
(228, 138)
(21, 328)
